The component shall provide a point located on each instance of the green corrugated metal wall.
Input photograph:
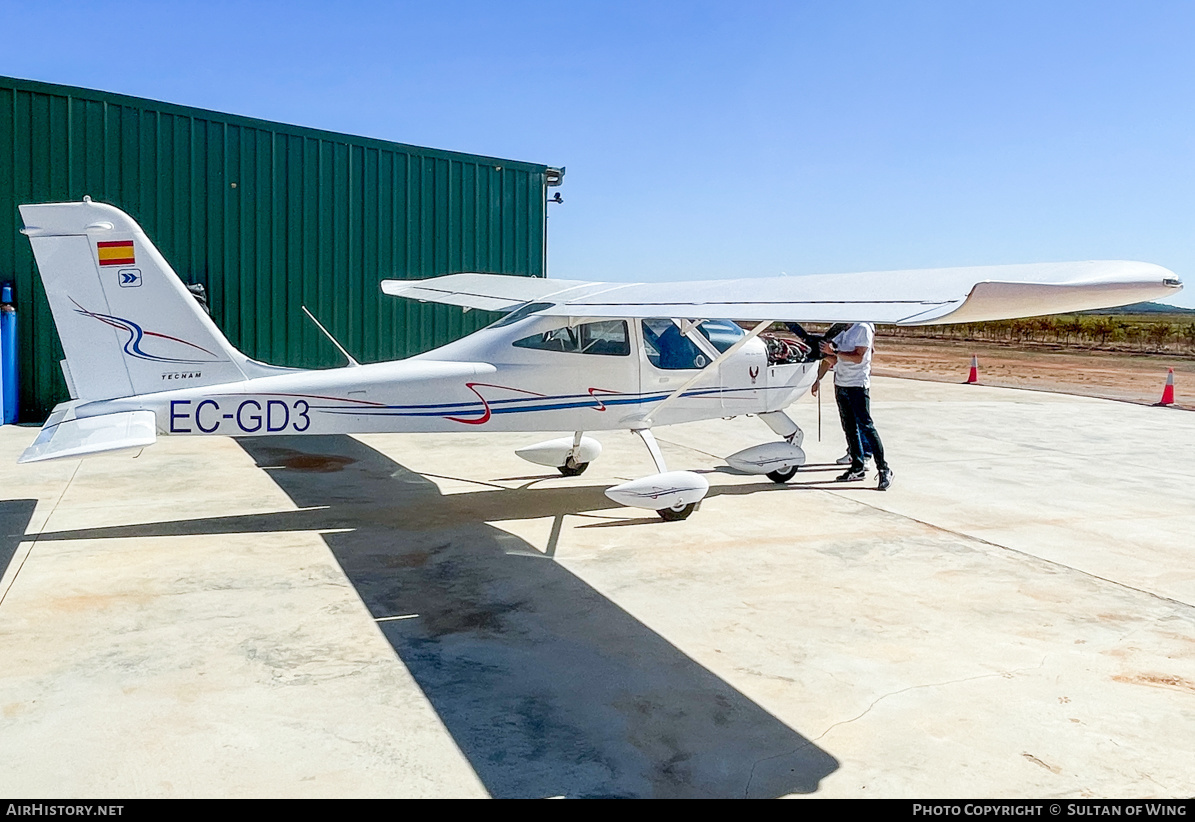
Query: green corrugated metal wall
(268, 217)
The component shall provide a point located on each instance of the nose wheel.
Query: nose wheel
(783, 475)
(572, 468)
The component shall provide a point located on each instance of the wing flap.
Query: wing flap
(61, 438)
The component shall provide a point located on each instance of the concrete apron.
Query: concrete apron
(417, 615)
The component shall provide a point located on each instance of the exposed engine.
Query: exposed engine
(785, 350)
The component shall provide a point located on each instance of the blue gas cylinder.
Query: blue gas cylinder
(8, 355)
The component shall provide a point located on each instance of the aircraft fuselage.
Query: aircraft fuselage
(534, 374)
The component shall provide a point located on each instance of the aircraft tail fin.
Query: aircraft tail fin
(128, 324)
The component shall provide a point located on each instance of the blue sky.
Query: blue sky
(709, 139)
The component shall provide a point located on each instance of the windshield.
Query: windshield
(669, 350)
(722, 333)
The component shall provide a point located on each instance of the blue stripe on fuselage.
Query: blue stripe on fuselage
(557, 403)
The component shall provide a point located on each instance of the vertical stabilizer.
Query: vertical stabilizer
(128, 324)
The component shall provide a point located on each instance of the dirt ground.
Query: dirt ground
(1135, 378)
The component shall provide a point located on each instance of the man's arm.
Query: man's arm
(822, 367)
(855, 355)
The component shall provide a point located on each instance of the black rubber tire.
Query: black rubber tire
(573, 470)
(676, 514)
(783, 475)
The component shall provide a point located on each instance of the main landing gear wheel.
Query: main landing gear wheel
(783, 475)
(572, 469)
(677, 512)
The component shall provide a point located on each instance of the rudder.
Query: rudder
(128, 324)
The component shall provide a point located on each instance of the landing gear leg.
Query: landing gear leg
(783, 426)
(653, 448)
(572, 466)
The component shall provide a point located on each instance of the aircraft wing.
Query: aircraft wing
(491, 292)
(913, 297)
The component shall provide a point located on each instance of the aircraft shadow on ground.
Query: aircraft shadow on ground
(14, 519)
(546, 686)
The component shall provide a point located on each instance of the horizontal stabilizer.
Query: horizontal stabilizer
(91, 435)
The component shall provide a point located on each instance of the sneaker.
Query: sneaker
(845, 459)
(885, 479)
(851, 476)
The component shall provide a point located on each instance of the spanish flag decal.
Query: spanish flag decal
(116, 253)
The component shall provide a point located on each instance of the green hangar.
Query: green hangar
(267, 218)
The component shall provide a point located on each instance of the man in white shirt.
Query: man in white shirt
(849, 353)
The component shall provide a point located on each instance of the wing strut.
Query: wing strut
(646, 422)
(691, 329)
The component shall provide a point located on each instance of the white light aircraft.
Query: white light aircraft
(143, 359)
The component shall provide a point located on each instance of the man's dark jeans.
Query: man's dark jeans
(854, 408)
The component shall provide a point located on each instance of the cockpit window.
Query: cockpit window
(524, 310)
(607, 338)
(670, 350)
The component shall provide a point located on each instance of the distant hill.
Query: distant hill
(1142, 308)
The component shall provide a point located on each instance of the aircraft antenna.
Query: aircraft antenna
(327, 334)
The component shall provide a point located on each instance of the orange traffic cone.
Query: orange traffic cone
(973, 377)
(1168, 391)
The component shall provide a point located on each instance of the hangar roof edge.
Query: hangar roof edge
(96, 95)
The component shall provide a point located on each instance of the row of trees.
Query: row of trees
(1129, 332)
